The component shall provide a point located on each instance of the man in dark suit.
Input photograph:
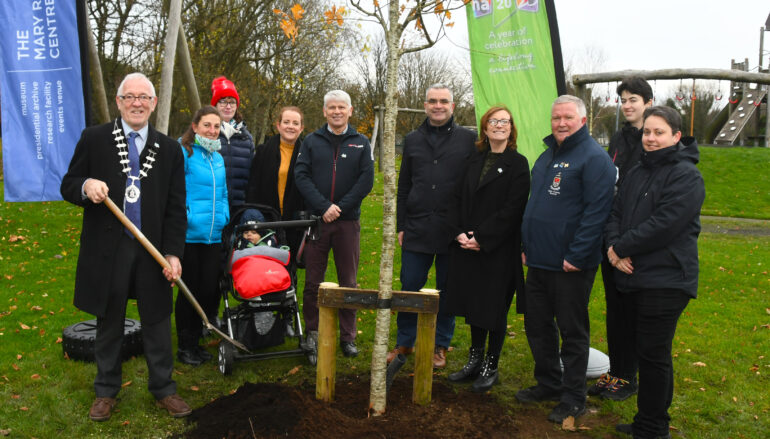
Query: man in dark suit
(142, 171)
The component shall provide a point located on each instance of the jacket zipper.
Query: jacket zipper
(334, 171)
(213, 196)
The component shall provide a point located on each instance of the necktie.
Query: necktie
(133, 210)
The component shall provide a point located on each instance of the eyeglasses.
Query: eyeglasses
(227, 103)
(499, 122)
(438, 101)
(131, 98)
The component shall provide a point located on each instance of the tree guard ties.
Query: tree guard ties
(734, 101)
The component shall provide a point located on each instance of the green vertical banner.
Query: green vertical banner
(516, 61)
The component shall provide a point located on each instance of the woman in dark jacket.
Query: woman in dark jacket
(237, 142)
(652, 238)
(271, 179)
(484, 263)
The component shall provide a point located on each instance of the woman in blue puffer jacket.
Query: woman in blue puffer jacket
(207, 214)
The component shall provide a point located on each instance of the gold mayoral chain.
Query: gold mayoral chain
(132, 191)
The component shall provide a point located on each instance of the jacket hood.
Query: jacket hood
(688, 149)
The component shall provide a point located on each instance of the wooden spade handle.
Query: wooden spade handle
(164, 263)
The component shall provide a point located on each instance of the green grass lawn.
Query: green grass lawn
(737, 183)
(722, 346)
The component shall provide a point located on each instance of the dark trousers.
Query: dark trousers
(622, 352)
(563, 297)
(414, 274)
(110, 329)
(342, 238)
(654, 319)
(200, 272)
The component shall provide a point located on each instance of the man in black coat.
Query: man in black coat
(434, 159)
(142, 171)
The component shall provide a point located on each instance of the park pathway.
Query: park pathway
(735, 226)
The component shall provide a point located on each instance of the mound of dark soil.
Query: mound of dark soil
(266, 410)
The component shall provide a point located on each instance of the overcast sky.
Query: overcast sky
(645, 35)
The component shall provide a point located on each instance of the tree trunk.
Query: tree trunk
(378, 394)
(97, 80)
(167, 73)
(185, 63)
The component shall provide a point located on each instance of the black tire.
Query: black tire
(226, 357)
(78, 340)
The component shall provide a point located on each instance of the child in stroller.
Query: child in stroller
(260, 274)
(251, 236)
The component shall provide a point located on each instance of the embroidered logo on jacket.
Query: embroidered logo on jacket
(555, 188)
(355, 145)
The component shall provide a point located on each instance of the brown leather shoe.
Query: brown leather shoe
(175, 406)
(439, 357)
(101, 409)
(399, 350)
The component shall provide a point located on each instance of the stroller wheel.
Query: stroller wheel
(226, 357)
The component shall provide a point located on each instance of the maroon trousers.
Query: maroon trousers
(342, 238)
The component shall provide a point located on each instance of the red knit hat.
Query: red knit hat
(222, 87)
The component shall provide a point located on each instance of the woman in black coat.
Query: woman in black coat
(271, 179)
(484, 259)
(652, 238)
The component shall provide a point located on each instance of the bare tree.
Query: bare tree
(395, 19)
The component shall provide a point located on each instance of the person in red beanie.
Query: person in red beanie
(237, 141)
(237, 150)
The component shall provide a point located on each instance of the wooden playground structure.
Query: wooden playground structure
(745, 106)
(748, 98)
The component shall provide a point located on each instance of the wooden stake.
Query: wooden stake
(326, 368)
(423, 359)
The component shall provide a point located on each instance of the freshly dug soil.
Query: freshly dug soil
(266, 410)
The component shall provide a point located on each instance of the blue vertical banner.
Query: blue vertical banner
(43, 110)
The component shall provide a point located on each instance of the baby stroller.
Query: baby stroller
(261, 276)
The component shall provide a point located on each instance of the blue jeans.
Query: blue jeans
(414, 273)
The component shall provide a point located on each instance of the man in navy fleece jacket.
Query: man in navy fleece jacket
(571, 197)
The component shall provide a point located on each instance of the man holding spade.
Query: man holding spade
(142, 171)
